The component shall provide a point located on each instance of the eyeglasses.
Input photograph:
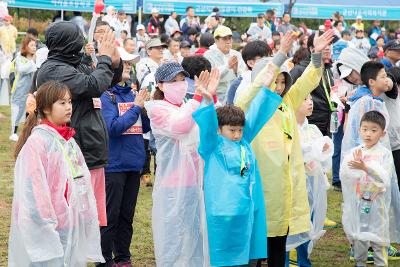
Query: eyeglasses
(128, 63)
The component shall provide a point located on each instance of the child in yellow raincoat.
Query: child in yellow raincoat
(278, 150)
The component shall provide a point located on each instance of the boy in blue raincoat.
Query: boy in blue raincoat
(234, 201)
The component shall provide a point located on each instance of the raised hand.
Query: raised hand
(269, 78)
(213, 82)
(287, 42)
(201, 82)
(107, 45)
(140, 98)
(358, 162)
(321, 42)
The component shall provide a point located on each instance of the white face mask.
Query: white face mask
(175, 92)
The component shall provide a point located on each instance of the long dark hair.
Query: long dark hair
(47, 94)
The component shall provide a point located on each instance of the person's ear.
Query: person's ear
(383, 134)
(371, 83)
(46, 111)
(219, 130)
(251, 63)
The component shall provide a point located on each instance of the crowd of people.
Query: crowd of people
(243, 129)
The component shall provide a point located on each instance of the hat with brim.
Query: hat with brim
(125, 56)
(222, 31)
(392, 45)
(167, 72)
(155, 42)
(344, 71)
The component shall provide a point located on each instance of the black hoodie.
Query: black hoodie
(65, 41)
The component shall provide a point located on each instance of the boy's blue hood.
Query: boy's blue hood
(363, 91)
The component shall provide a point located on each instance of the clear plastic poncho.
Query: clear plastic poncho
(178, 215)
(54, 217)
(367, 197)
(351, 139)
(317, 162)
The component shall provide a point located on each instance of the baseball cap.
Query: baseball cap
(140, 27)
(125, 56)
(222, 31)
(359, 17)
(344, 71)
(184, 44)
(155, 42)
(154, 11)
(260, 15)
(167, 72)
(392, 45)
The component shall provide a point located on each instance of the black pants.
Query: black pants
(396, 159)
(122, 189)
(146, 167)
(277, 251)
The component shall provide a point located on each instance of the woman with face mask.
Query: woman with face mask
(178, 206)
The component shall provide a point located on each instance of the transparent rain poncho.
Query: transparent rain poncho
(317, 162)
(54, 217)
(178, 215)
(351, 139)
(367, 197)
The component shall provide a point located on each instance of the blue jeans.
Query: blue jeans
(302, 256)
(337, 146)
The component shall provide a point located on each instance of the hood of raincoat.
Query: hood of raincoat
(363, 91)
(352, 58)
(259, 66)
(65, 42)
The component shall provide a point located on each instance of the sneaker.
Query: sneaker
(337, 187)
(146, 178)
(330, 224)
(14, 137)
(370, 259)
(393, 253)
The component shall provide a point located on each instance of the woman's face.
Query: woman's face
(280, 84)
(174, 47)
(32, 47)
(306, 107)
(354, 78)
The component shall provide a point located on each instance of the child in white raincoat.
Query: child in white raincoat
(317, 151)
(178, 217)
(54, 217)
(365, 175)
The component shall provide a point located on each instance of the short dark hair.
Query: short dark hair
(370, 70)
(374, 117)
(33, 32)
(395, 73)
(230, 115)
(194, 65)
(215, 9)
(300, 55)
(206, 40)
(275, 33)
(164, 38)
(191, 31)
(270, 11)
(127, 40)
(336, 23)
(189, 7)
(170, 40)
(100, 22)
(255, 49)
(124, 31)
(345, 32)
(172, 12)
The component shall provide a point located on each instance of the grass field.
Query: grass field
(330, 251)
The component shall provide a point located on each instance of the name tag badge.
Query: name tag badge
(96, 103)
(137, 127)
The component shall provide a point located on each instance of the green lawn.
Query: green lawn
(331, 250)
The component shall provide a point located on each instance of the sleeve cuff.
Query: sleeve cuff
(316, 59)
(198, 98)
(215, 99)
(279, 59)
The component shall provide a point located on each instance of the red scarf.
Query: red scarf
(65, 131)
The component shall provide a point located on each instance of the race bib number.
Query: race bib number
(137, 127)
(96, 103)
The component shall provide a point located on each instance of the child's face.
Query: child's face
(306, 107)
(61, 111)
(280, 84)
(185, 51)
(370, 133)
(233, 133)
(381, 84)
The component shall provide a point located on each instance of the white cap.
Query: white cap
(383, 29)
(125, 56)
(140, 27)
(154, 11)
(359, 17)
(344, 71)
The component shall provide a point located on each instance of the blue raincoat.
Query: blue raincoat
(234, 201)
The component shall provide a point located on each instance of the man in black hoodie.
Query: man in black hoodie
(323, 106)
(65, 41)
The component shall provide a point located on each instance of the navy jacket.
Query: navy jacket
(126, 145)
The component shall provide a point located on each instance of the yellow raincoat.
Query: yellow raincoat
(280, 158)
